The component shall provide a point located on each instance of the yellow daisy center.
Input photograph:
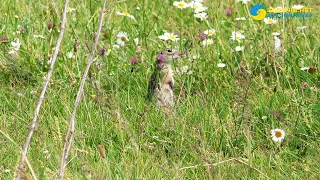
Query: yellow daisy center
(238, 37)
(171, 37)
(209, 42)
(69, 9)
(278, 134)
(210, 33)
(196, 6)
(270, 20)
(181, 4)
(123, 38)
(125, 13)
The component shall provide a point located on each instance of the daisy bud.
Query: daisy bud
(50, 25)
(243, 69)
(106, 35)
(228, 12)
(75, 45)
(312, 69)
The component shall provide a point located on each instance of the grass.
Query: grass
(218, 112)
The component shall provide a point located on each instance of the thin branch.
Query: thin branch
(27, 161)
(69, 138)
(44, 88)
(221, 162)
(204, 165)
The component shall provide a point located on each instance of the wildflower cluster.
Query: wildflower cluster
(196, 5)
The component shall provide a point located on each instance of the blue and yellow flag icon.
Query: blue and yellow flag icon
(258, 12)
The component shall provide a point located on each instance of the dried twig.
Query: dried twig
(27, 161)
(204, 165)
(69, 138)
(44, 88)
(221, 162)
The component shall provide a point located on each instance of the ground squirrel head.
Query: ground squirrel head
(166, 56)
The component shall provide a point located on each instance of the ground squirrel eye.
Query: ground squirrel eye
(169, 50)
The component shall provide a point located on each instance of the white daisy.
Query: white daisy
(240, 18)
(39, 36)
(201, 15)
(270, 21)
(243, 1)
(136, 40)
(164, 36)
(12, 52)
(184, 69)
(305, 68)
(69, 9)
(221, 65)
(70, 55)
(298, 7)
(276, 34)
(124, 13)
(264, 117)
(301, 28)
(173, 37)
(207, 42)
(239, 48)
(197, 6)
(181, 4)
(115, 46)
(169, 36)
(210, 32)
(238, 36)
(122, 38)
(200, 9)
(277, 44)
(277, 135)
(16, 45)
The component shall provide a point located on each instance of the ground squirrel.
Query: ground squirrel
(161, 82)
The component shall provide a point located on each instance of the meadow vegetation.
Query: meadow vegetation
(233, 86)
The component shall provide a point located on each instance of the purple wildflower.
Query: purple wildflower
(185, 52)
(4, 39)
(50, 25)
(304, 85)
(134, 60)
(102, 51)
(160, 60)
(228, 11)
(202, 35)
